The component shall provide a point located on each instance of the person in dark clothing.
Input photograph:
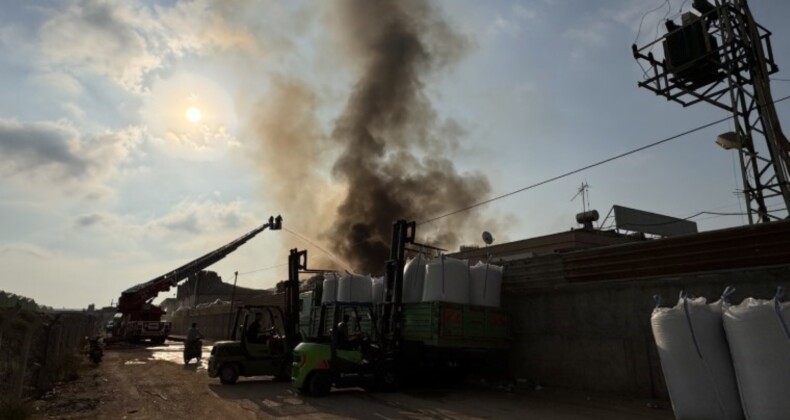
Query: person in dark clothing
(342, 330)
(254, 329)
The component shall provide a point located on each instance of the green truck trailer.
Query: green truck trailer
(386, 345)
(439, 342)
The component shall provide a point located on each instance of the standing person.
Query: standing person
(192, 345)
(193, 334)
(254, 329)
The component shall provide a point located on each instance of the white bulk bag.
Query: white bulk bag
(485, 284)
(696, 360)
(760, 344)
(446, 280)
(354, 288)
(329, 290)
(413, 279)
(377, 289)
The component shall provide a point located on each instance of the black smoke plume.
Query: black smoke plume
(394, 148)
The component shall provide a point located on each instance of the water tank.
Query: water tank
(377, 289)
(759, 335)
(485, 284)
(354, 288)
(329, 292)
(414, 279)
(446, 280)
(587, 218)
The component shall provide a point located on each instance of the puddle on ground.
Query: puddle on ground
(134, 362)
(173, 352)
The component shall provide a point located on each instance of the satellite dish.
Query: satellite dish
(488, 238)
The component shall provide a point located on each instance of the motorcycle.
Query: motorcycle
(193, 350)
(95, 352)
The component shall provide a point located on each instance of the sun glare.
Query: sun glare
(193, 115)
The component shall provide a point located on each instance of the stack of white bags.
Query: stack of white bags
(723, 361)
(441, 279)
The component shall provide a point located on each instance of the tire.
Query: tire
(387, 379)
(228, 374)
(158, 341)
(319, 384)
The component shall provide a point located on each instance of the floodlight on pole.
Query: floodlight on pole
(729, 140)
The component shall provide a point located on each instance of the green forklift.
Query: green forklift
(382, 347)
(270, 352)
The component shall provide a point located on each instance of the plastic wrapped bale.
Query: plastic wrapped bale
(446, 280)
(759, 336)
(696, 360)
(354, 288)
(377, 289)
(486, 284)
(329, 288)
(414, 279)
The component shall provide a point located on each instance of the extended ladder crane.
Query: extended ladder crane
(139, 319)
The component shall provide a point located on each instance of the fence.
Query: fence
(39, 349)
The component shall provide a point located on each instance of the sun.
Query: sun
(193, 115)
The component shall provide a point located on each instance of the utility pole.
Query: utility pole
(232, 302)
(722, 57)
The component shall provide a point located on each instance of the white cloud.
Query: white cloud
(127, 41)
(26, 250)
(523, 13)
(61, 81)
(54, 154)
(186, 230)
(105, 37)
(514, 22)
(594, 33)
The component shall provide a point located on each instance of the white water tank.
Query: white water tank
(377, 289)
(446, 280)
(485, 284)
(354, 288)
(696, 360)
(414, 279)
(759, 336)
(329, 291)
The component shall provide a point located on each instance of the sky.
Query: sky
(136, 136)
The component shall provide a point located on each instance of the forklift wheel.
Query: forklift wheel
(387, 379)
(228, 374)
(319, 384)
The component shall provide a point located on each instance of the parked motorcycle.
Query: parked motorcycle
(95, 351)
(193, 350)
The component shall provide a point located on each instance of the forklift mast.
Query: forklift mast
(297, 261)
(402, 234)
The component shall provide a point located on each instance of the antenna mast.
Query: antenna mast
(584, 191)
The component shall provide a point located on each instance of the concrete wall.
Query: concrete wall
(214, 321)
(597, 336)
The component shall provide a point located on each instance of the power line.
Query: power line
(639, 31)
(264, 269)
(329, 254)
(576, 171)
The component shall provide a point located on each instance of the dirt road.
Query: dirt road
(153, 383)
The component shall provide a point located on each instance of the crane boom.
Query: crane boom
(136, 296)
